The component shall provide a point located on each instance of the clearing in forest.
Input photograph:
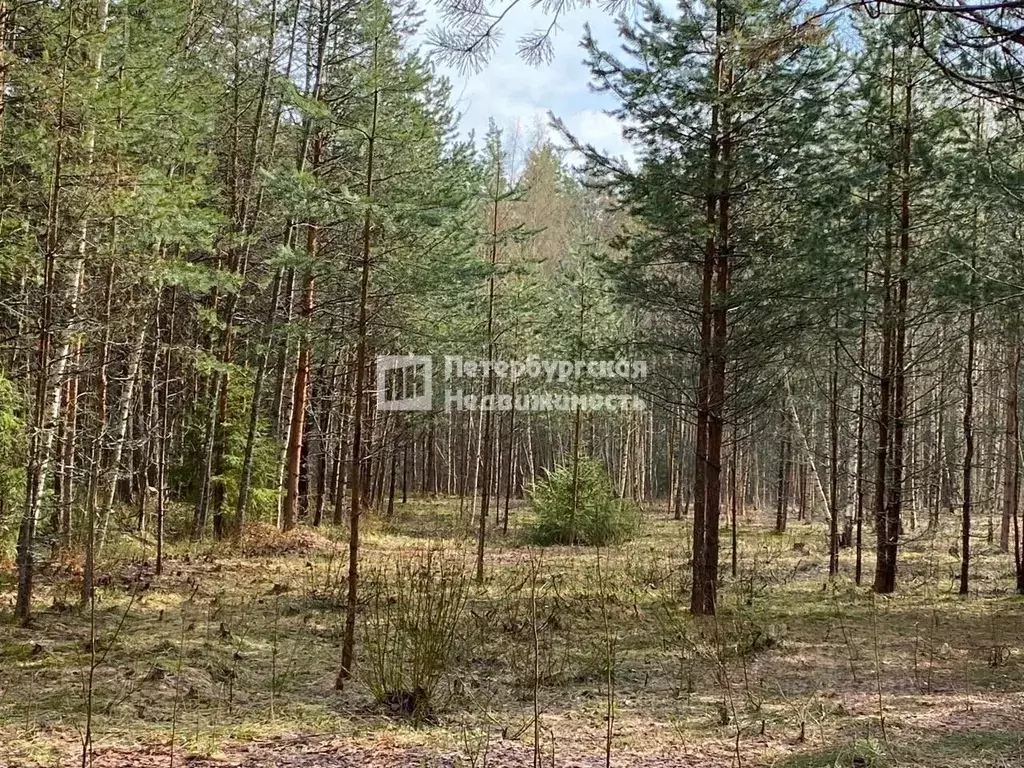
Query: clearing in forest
(230, 657)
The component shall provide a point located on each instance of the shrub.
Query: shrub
(13, 439)
(599, 518)
(413, 614)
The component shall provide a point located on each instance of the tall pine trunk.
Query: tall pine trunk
(885, 575)
(361, 363)
(884, 570)
(965, 520)
(701, 500)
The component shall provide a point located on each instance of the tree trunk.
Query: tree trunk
(781, 502)
(1011, 461)
(833, 484)
(884, 569)
(965, 525)
(885, 576)
(362, 355)
(702, 498)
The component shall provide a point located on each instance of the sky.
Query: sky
(518, 96)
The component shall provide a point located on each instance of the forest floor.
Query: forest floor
(230, 657)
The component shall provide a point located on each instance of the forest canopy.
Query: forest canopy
(265, 303)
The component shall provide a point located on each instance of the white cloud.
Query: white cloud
(600, 129)
(519, 96)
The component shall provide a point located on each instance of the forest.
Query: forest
(333, 434)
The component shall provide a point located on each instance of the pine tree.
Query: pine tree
(727, 94)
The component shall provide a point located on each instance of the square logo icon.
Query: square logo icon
(404, 383)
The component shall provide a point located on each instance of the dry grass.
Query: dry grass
(232, 645)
